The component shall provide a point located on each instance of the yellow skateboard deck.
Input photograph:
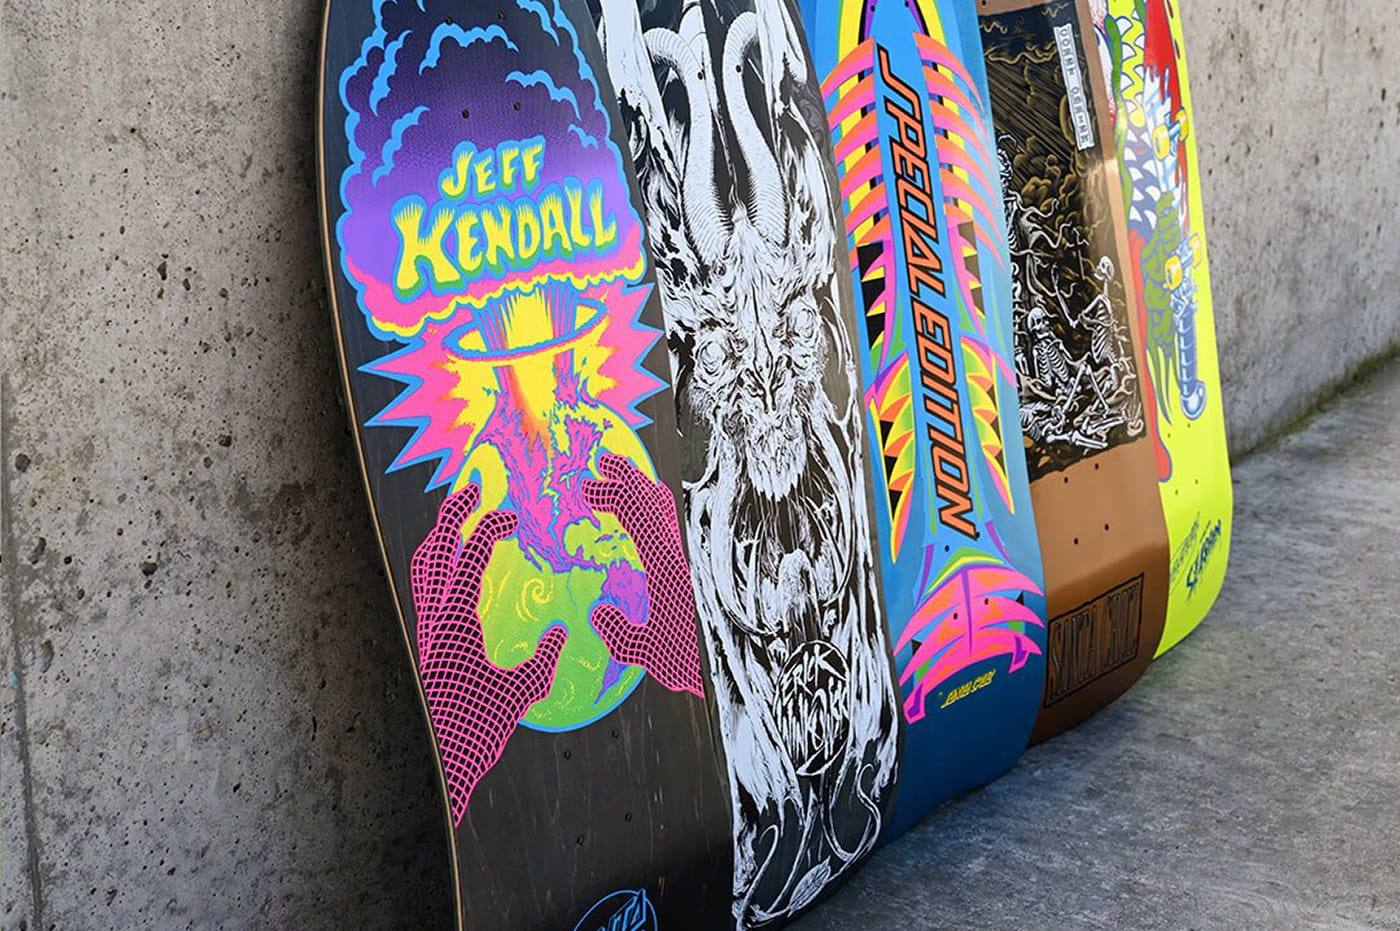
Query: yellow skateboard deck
(1140, 45)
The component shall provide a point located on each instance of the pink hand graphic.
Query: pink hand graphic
(666, 644)
(474, 704)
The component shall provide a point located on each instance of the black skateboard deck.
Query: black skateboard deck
(1103, 538)
(500, 334)
(729, 139)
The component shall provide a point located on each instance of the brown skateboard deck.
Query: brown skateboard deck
(1103, 539)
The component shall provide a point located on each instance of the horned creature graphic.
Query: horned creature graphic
(727, 134)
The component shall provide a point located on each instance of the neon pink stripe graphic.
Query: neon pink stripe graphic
(861, 173)
(938, 54)
(959, 188)
(853, 101)
(857, 61)
(861, 134)
(967, 618)
(955, 156)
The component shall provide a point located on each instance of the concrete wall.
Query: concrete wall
(207, 716)
(1298, 125)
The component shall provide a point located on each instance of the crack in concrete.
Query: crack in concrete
(10, 557)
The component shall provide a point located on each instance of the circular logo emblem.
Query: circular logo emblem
(812, 705)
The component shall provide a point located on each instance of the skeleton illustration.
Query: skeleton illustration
(1030, 232)
(1065, 398)
(726, 132)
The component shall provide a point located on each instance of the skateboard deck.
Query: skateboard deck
(1141, 50)
(906, 100)
(730, 144)
(1103, 539)
(499, 329)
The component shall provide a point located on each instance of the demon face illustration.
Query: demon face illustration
(727, 136)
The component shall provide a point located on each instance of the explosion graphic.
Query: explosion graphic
(487, 226)
(457, 371)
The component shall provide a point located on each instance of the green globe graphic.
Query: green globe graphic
(537, 365)
(520, 600)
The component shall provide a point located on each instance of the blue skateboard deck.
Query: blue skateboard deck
(907, 103)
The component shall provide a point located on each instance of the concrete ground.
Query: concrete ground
(1251, 779)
